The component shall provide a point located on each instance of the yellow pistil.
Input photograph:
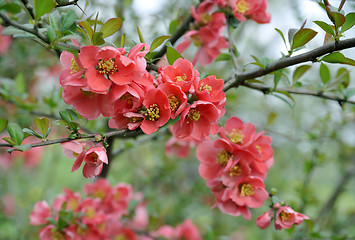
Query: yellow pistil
(127, 97)
(206, 18)
(120, 237)
(72, 204)
(74, 68)
(90, 212)
(99, 194)
(223, 157)
(246, 189)
(235, 171)
(284, 216)
(133, 119)
(194, 115)
(242, 6)
(93, 157)
(236, 136)
(57, 236)
(153, 112)
(174, 103)
(258, 148)
(205, 87)
(181, 78)
(88, 94)
(107, 66)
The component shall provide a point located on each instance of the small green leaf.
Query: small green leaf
(325, 26)
(302, 37)
(21, 148)
(141, 39)
(337, 18)
(51, 34)
(349, 92)
(172, 54)
(3, 124)
(254, 81)
(344, 77)
(9, 140)
(173, 26)
(337, 57)
(324, 73)
(299, 72)
(281, 95)
(97, 39)
(42, 7)
(11, 7)
(20, 83)
(42, 124)
(86, 26)
(32, 132)
(291, 33)
(158, 41)
(123, 39)
(257, 62)
(67, 20)
(282, 35)
(349, 22)
(65, 116)
(15, 133)
(223, 57)
(111, 26)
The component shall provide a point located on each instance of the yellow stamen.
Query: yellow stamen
(74, 68)
(181, 78)
(284, 216)
(174, 103)
(242, 6)
(246, 189)
(88, 94)
(92, 157)
(57, 235)
(153, 113)
(127, 97)
(120, 237)
(194, 115)
(205, 87)
(223, 157)
(236, 136)
(90, 212)
(107, 66)
(235, 171)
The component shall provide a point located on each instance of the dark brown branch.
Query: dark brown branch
(28, 8)
(266, 89)
(239, 78)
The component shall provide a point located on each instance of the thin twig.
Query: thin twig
(231, 48)
(28, 8)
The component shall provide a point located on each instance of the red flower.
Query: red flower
(286, 217)
(265, 219)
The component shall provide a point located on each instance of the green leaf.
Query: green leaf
(349, 92)
(324, 73)
(123, 39)
(32, 132)
(257, 62)
(158, 41)
(51, 34)
(299, 72)
(15, 133)
(11, 7)
(20, 83)
(21, 148)
(344, 77)
(223, 57)
(282, 35)
(42, 7)
(281, 95)
(67, 20)
(172, 54)
(3, 124)
(140, 35)
(97, 39)
(173, 26)
(86, 26)
(337, 57)
(349, 22)
(291, 33)
(9, 140)
(42, 124)
(254, 81)
(111, 26)
(325, 26)
(302, 37)
(337, 18)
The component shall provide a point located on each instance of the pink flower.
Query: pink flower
(187, 231)
(40, 213)
(255, 9)
(250, 192)
(286, 217)
(177, 98)
(94, 159)
(73, 70)
(196, 121)
(98, 189)
(265, 219)
(210, 89)
(5, 42)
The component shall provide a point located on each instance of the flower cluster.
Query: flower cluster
(284, 217)
(105, 81)
(104, 213)
(93, 156)
(209, 23)
(235, 166)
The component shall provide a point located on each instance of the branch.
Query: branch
(320, 94)
(239, 78)
(28, 8)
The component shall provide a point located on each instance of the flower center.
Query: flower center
(174, 103)
(284, 216)
(92, 158)
(235, 171)
(206, 18)
(242, 6)
(236, 136)
(74, 68)
(246, 189)
(204, 87)
(107, 66)
(194, 115)
(57, 235)
(223, 157)
(90, 212)
(181, 78)
(127, 97)
(153, 112)
(88, 93)
(258, 148)
(120, 237)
